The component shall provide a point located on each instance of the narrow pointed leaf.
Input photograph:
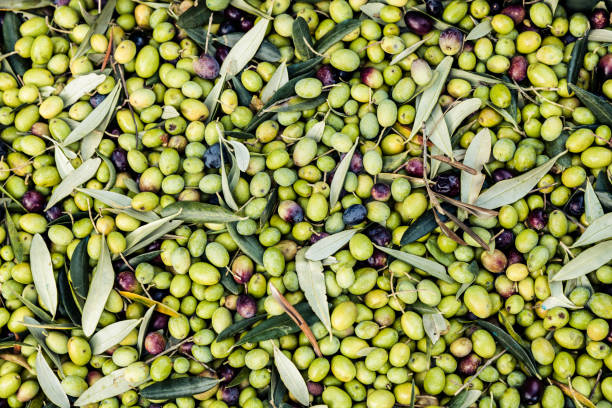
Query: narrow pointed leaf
(169, 112)
(111, 335)
(80, 175)
(329, 245)
(337, 183)
(577, 59)
(269, 209)
(434, 325)
(100, 288)
(427, 265)
(372, 10)
(178, 387)
(99, 27)
(301, 67)
(482, 29)
(575, 395)
(49, 383)
(336, 34)
(239, 327)
(600, 35)
(148, 233)
(247, 244)
(79, 269)
(458, 113)
(40, 335)
(244, 50)
(10, 35)
(554, 147)
(244, 6)
(465, 399)
(596, 232)
(592, 206)
(557, 298)
(80, 86)
(302, 39)
(106, 387)
(316, 131)
(280, 78)
(212, 99)
(91, 141)
(312, 281)
(266, 52)
(144, 325)
(160, 307)
(67, 298)
(437, 132)
(197, 212)
(16, 244)
(410, 50)
(242, 155)
(297, 104)
(63, 165)
(587, 261)
(42, 273)
(476, 156)
(429, 98)
(291, 377)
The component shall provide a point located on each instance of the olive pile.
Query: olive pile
(280, 204)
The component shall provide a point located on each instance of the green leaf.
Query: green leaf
(194, 16)
(111, 335)
(431, 267)
(238, 134)
(80, 86)
(212, 99)
(226, 186)
(477, 79)
(40, 335)
(575, 63)
(329, 245)
(521, 354)
(239, 327)
(280, 78)
(459, 112)
(91, 142)
(587, 261)
(144, 235)
(24, 4)
(198, 212)
(510, 190)
(42, 273)
(16, 244)
(596, 232)
(480, 30)
(278, 326)
(99, 27)
(476, 156)
(247, 244)
(337, 183)
(301, 67)
(429, 99)
(144, 325)
(106, 387)
(229, 283)
(601, 108)
(336, 34)
(297, 104)
(269, 209)
(372, 10)
(244, 50)
(63, 165)
(312, 281)
(138, 259)
(242, 155)
(434, 325)
(67, 299)
(240, 377)
(600, 35)
(435, 251)
(10, 35)
(178, 387)
(79, 269)
(284, 92)
(38, 311)
(99, 290)
(557, 298)
(408, 51)
(266, 52)
(82, 174)
(554, 147)
(302, 40)
(437, 132)
(592, 206)
(465, 399)
(291, 377)
(49, 383)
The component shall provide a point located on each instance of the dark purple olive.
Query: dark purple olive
(414, 167)
(418, 23)
(379, 235)
(246, 25)
(568, 39)
(532, 391)
(537, 219)
(434, 7)
(314, 388)
(575, 205)
(126, 281)
(514, 256)
(242, 269)
(221, 53)
(381, 192)
(495, 7)
(227, 27)
(119, 159)
(317, 236)
(206, 67)
(605, 66)
(290, 211)
(155, 343)
(246, 306)
(232, 13)
(61, 2)
(33, 201)
(139, 38)
(504, 239)
(186, 347)
(447, 184)
(212, 156)
(367, 76)
(230, 395)
(600, 18)
(518, 68)
(355, 214)
(96, 99)
(53, 213)
(450, 41)
(356, 165)
(468, 46)
(327, 74)
(501, 174)
(153, 246)
(377, 260)
(469, 364)
(345, 75)
(159, 321)
(226, 373)
(516, 12)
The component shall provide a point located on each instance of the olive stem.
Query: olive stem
(480, 369)
(171, 349)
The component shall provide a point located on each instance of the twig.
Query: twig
(455, 164)
(480, 370)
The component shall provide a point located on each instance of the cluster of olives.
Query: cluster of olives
(165, 125)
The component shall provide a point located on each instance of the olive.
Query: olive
(355, 214)
(154, 343)
(532, 391)
(516, 12)
(206, 67)
(501, 174)
(33, 201)
(599, 18)
(230, 395)
(537, 219)
(418, 23)
(575, 205)
(246, 306)
(447, 184)
(434, 7)
(379, 235)
(450, 41)
(126, 280)
(119, 159)
(414, 167)
(327, 74)
(518, 68)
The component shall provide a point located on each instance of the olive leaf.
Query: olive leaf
(312, 281)
(138, 259)
(242, 155)
(63, 165)
(408, 51)
(557, 298)
(95, 117)
(24, 4)
(587, 261)
(476, 156)
(198, 212)
(336, 34)
(574, 395)
(266, 52)
(429, 99)
(160, 307)
(145, 234)
(316, 131)
(239, 327)
(178, 387)
(480, 30)
(42, 273)
(601, 108)
(329, 245)
(91, 142)
(435, 251)
(120, 202)
(291, 377)
(212, 99)
(10, 35)
(40, 335)
(427, 265)
(459, 112)
(38, 312)
(280, 78)
(49, 383)
(434, 325)
(80, 86)
(464, 399)
(16, 244)
(554, 147)
(77, 177)
(511, 190)
(244, 6)
(519, 352)
(169, 112)
(297, 104)
(337, 183)
(300, 68)
(242, 375)
(596, 232)
(99, 27)
(194, 16)
(437, 131)
(575, 63)
(67, 298)
(554, 3)
(99, 290)
(244, 50)
(302, 39)
(269, 209)
(284, 92)
(226, 186)
(600, 35)
(247, 244)
(478, 79)
(372, 10)
(111, 335)
(108, 386)
(592, 206)
(244, 96)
